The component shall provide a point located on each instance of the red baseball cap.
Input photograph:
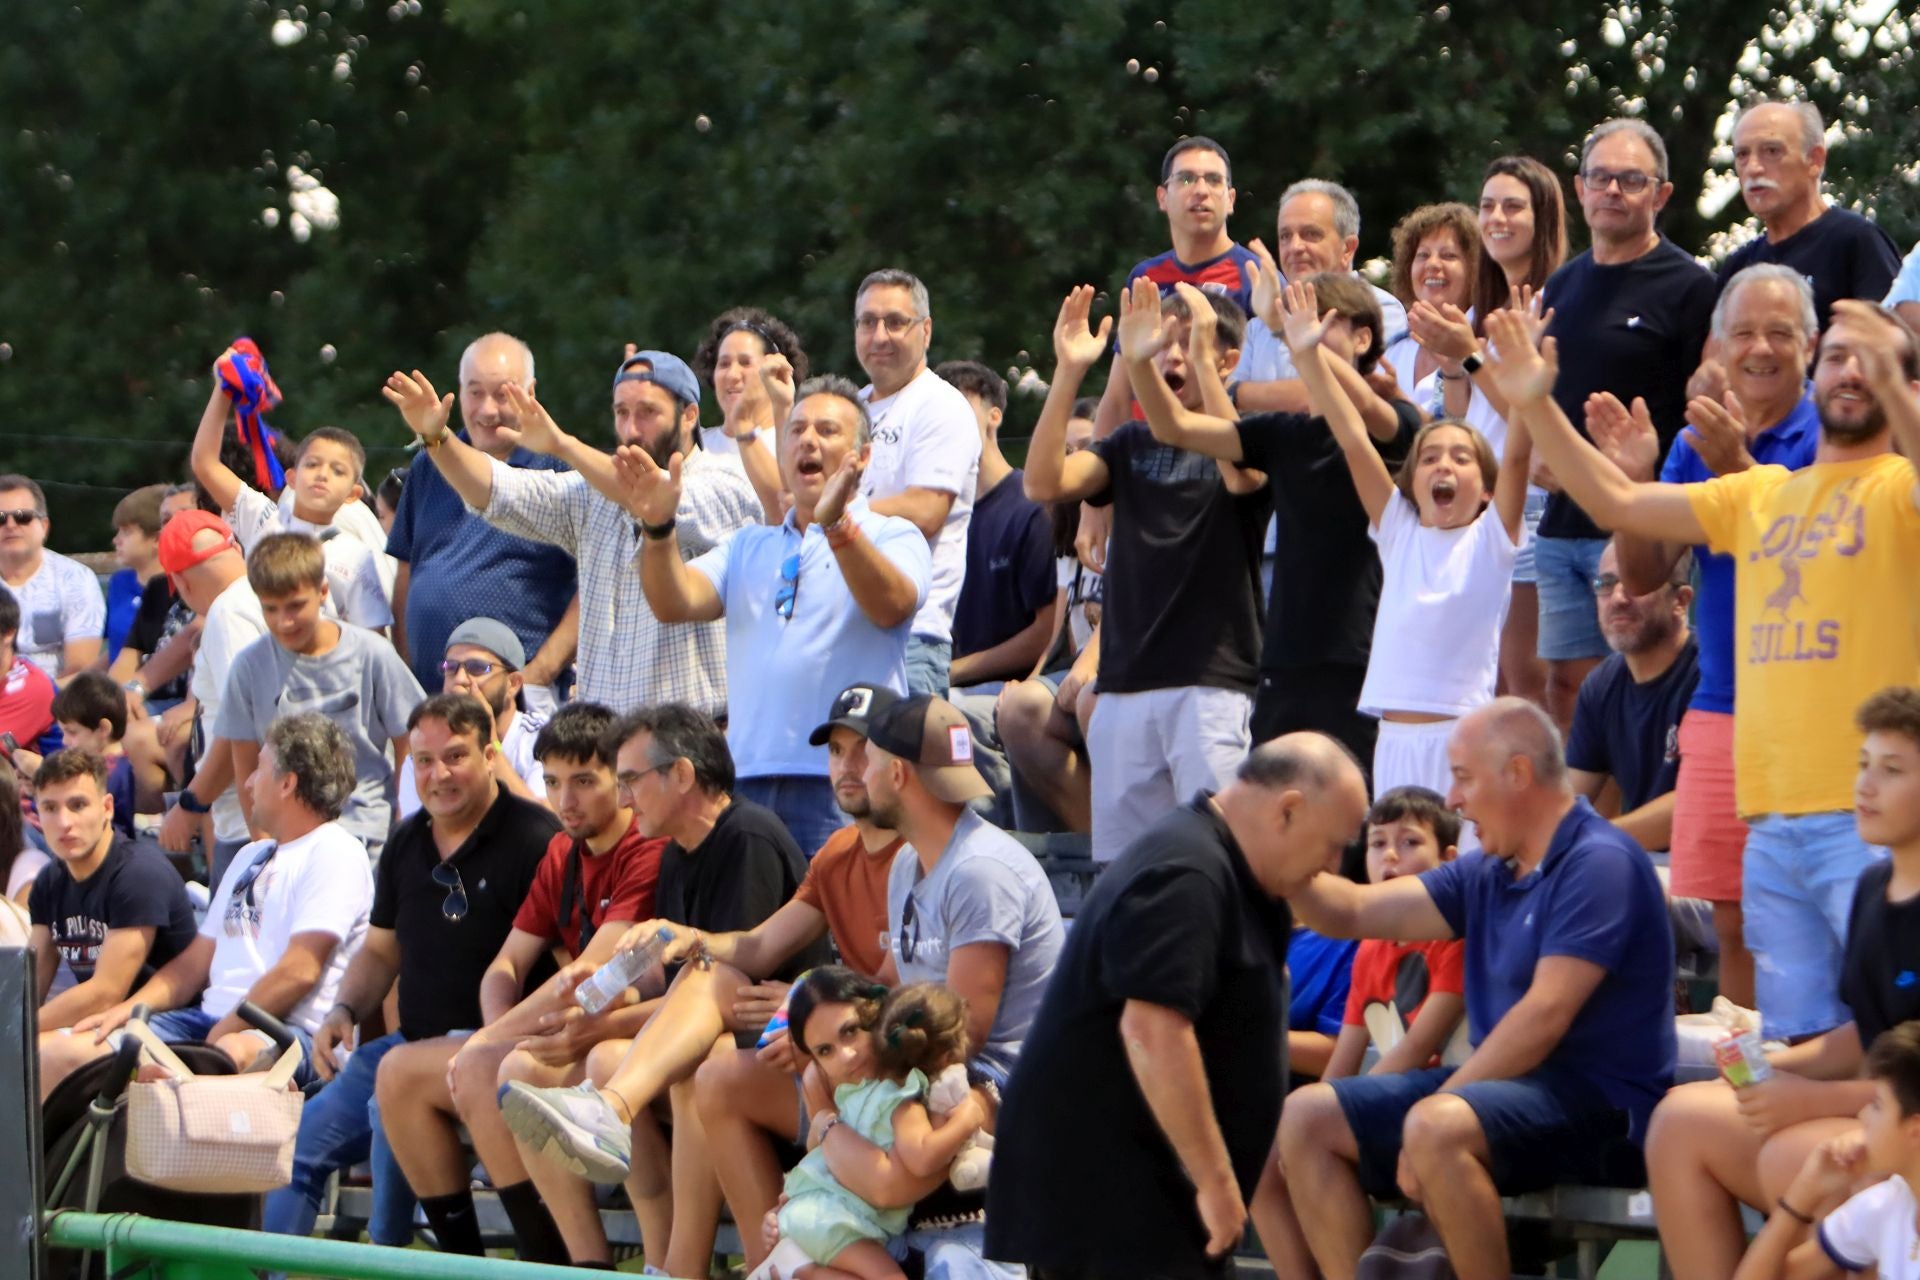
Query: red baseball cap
(178, 536)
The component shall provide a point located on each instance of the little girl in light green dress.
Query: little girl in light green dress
(877, 1058)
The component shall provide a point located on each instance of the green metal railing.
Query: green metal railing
(184, 1251)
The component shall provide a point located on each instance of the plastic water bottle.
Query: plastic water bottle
(620, 972)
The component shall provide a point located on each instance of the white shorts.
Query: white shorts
(1152, 751)
(1415, 755)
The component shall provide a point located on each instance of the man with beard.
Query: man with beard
(484, 659)
(628, 656)
(1626, 724)
(454, 565)
(1825, 615)
(730, 990)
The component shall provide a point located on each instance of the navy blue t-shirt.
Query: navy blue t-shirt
(1010, 571)
(461, 567)
(1593, 897)
(1632, 731)
(1842, 255)
(1632, 328)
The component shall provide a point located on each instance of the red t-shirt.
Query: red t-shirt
(26, 706)
(1404, 974)
(615, 885)
(848, 886)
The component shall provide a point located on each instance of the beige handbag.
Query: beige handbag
(223, 1134)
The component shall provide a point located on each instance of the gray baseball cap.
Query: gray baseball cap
(493, 635)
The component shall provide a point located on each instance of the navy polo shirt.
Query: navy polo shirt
(461, 567)
(1593, 897)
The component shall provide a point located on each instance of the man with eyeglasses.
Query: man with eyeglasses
(1630, 317)
(822, 600)
(287, 918)
(629, 656)
(1626, 725)
(484, 659)
(926, 454)
(449, 884)
(728, 865)
(63, 616)
(454, 565)
(595, 879)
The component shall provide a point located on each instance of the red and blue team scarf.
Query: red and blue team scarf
(242, 370)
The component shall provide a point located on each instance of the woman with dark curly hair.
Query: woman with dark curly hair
(741, 344)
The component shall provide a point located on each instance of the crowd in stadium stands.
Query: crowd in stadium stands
(1483, 652)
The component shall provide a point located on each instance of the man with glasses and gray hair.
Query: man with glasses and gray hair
(1630, 317)
(287, 918)
(824, 599)
(926, 455)
(449, 884)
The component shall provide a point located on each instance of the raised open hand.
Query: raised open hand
(1142, 335)
(1301, 320)
(840, 488)
(1878, 346)
(1522, 374)
(651, 492)
(1531, 306)
(1201, 320)
(1075, 344)
(1717, 430)
(424, 411)
(1625, 436)
(538, 431)
(1263, 282)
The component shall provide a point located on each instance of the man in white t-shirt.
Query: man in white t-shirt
(63, 616)
(484, 658)
(199, 555)
(926, 453)
(287, 918)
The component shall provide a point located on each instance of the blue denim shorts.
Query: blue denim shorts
(1564, 570)
(183, 1026)
(1546, 1128)
(1798, 877)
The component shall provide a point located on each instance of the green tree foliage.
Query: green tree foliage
(587, 175)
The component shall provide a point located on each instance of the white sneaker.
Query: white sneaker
(574, 1127)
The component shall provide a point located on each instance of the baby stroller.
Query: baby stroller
(84, 1121)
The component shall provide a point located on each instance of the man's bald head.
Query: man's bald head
(1510, 727)
(1301, 762)
(1294, 805)
(499, 355)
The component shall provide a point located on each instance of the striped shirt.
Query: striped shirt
(627, 657)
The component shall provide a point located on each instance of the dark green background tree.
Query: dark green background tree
(585, 175)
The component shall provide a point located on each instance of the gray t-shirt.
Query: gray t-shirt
(360, 684)
(986, 887)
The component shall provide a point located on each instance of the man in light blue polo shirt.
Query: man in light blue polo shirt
(823, 600)
(1569, 1001)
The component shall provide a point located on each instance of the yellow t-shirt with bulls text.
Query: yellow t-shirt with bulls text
(1826, 613)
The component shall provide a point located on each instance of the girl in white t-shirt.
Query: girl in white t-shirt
(1448, 529)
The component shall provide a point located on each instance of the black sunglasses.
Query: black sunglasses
(21, 518)
(244, 886)
(447, 876)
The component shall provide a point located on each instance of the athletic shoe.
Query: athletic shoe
(574, 1127)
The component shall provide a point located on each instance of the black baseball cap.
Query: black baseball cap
(855, 709)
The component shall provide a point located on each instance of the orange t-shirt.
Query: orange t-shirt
(848, 886)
